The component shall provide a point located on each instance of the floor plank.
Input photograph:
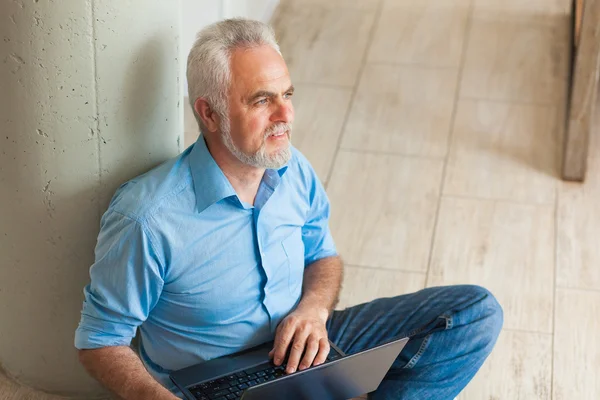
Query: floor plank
(383, 209)
(320, 114)
(504, 151)
(427, 32)
(403, 110)
(519, 368)
(515, 61)
(576, 345)
(365, 284)
(335, 37)
(505, 247)
(578, 253)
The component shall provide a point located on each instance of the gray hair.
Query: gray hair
(208, 70)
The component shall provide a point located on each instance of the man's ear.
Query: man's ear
(208, 116)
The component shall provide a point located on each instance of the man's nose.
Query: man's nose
(284, 113)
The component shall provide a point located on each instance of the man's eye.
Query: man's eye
(261, 102)
(288, 95)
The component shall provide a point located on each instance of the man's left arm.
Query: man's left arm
(304, 328)
(322, 284)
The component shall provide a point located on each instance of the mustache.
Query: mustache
(278, 128)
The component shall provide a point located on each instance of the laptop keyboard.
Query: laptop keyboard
(232, 386)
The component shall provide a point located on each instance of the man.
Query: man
(228, 246)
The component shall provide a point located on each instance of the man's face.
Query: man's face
(259, 128)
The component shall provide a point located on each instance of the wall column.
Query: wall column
(89, 97)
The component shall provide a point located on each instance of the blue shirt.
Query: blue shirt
(201, 273)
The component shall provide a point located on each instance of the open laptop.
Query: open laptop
(250, 375)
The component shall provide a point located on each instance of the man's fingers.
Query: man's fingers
(282, 341)
(312, 348)
(277, 334)
(302, 341)
(324, 348)
(298, 346)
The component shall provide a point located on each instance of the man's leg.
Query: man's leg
(452, 330)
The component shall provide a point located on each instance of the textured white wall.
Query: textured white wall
(90, 98)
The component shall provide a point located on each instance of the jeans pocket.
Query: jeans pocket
(419, 339)
(417, 356)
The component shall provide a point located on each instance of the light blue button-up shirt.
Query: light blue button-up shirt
(200, 272)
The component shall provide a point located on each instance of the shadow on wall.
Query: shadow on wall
(61, 158)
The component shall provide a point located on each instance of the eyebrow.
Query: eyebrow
(266, 93)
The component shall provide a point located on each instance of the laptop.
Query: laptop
(250, 375)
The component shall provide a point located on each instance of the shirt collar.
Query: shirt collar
(210, 183)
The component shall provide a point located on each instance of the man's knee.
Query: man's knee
(489, 314)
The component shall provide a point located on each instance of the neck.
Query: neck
(245, 179)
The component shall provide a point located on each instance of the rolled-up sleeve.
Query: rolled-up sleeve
(126, 283)
(318, 242)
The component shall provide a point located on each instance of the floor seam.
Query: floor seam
(384, 269)
(376, 18)
(497, 200)
(391, 153)
(556, 200)
(519, 330)
(581, 289)
(461, 68)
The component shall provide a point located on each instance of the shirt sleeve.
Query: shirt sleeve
(318, 242)
(126, 282)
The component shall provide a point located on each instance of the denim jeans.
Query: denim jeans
(452, 330)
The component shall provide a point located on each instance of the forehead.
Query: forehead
(258, 68)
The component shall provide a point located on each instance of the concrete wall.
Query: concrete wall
(90, 97)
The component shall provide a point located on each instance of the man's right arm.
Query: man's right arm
(126, 282)
(121, 371)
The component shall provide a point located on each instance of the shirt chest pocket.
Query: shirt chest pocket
(293, 248)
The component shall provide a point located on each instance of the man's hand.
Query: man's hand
(304, 330)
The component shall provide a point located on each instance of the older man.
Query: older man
(228, 246)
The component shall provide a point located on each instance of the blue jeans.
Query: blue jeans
(452, 330)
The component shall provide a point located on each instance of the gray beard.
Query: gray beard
(259, 159)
